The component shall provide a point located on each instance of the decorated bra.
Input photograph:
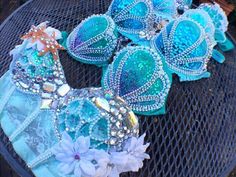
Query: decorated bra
(88, 132)
(60, 131)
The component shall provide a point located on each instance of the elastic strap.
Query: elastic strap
(216, 55)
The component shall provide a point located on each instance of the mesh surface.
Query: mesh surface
(197, 136)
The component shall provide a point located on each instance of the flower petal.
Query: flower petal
(63, 157)
(66, 168)
(82, 144)
(88, 169)
(77, 171)
(114, 173)
(119, 158)
(141, 139)
(66, 136)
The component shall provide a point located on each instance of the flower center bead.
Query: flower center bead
(77, 157)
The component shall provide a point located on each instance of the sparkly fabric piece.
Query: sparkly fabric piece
(165, 9)
(217, 15)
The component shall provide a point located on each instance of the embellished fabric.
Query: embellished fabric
(165, 9)
(205, 21)
(132, 18)
(183, 5)
(94, 132)
(221, 23)
(45, 118)
(219, 19)
(201, 17)
(185, 49)
(137, 75)
(217, 15)
(93, 40)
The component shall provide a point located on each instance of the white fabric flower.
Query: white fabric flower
(102, 159)
(136, 153)
(75, 157)
(130, 159)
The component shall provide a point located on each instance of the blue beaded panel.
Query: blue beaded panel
(137, 76)
(93, 40)
(217, 15)
(30, 70)
(132, 17)
(184, 48)
(201, 17)
(165, 9)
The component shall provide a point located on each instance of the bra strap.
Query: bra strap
(25, 124)
(6, 98)
(41, 158)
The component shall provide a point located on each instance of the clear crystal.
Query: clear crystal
(102, 103)
(63, 90)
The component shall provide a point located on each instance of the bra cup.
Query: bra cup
(98, 116)
(184, 54)
(217, 15)
(94, 40)
(132, 18)
(127, 76)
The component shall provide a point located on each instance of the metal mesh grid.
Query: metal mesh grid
(197, 136)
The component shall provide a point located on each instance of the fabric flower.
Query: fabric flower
(75, 157)
(130, 159)
(136, 153)
(102, 159)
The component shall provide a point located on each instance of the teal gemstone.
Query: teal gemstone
(35, 59)
(84, 130)
(31, 70)
(48, 61)
(88, 111)
(100, 130)
(23, 60)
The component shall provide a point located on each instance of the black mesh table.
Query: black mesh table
(197, 136)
